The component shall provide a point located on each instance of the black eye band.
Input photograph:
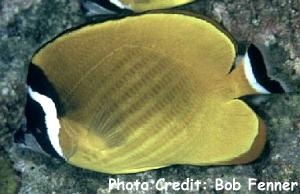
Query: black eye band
(108, 5)
(260, 71)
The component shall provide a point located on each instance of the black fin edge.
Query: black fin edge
(93, 20)
(260, 71)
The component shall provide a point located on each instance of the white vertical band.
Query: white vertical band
(251, 77)
(51, 120)
(120, 4)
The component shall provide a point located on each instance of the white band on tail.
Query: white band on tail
(51, 120)
(251, 78)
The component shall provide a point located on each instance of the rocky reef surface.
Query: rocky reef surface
(274, 26)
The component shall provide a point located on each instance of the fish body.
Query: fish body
(144, 92)
(145, 5)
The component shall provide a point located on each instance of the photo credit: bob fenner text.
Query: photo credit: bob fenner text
(189, 184)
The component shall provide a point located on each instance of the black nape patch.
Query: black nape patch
(260, 72)
(36, 125)
(38, 81)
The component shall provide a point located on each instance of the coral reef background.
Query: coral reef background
(274, 26)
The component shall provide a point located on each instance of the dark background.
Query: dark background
(274, 26)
